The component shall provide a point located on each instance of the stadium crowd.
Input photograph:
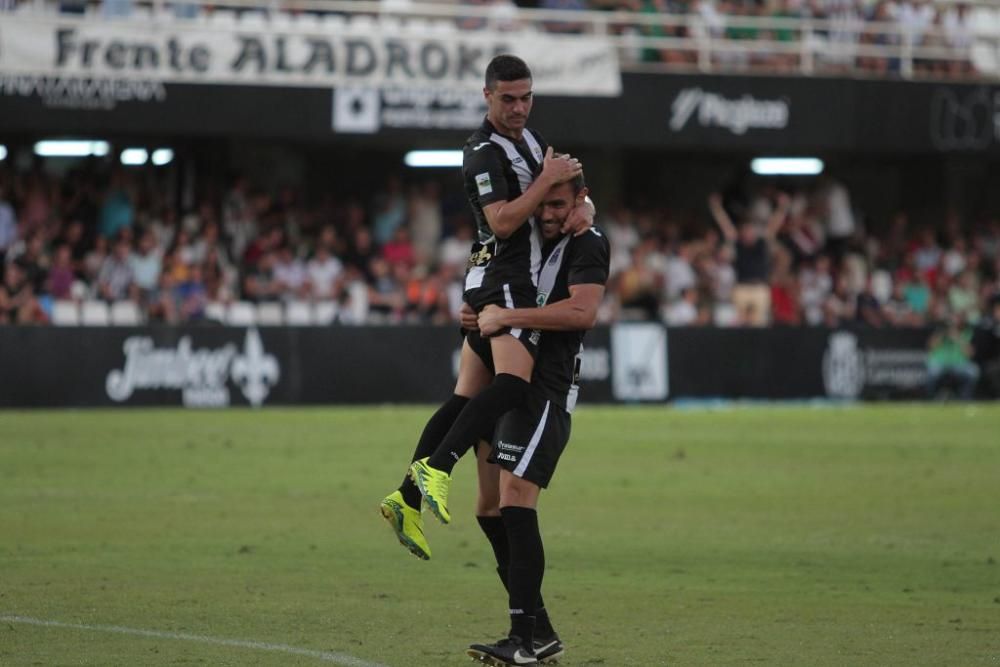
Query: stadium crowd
(758, 33)
(801, 258)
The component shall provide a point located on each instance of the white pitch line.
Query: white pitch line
(327, 656)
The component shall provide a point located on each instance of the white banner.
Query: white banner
(370, 55)
(639, 362)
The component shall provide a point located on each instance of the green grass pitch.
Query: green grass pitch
(772, 536)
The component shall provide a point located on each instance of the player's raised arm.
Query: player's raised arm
(504, 217)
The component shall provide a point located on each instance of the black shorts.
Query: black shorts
(505, 295)
(481, 346)
(529, 440)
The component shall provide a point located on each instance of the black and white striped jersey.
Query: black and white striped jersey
(579, 260)
(498, 168)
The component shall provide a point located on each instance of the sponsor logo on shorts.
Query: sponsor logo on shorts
(535, 336)
(510, 447)
(503, 456)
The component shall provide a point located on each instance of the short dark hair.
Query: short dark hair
(578, 183)
(506, 67)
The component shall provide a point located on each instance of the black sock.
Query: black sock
(435, 430)
(496, 533)
(527, 567)
(505, 393)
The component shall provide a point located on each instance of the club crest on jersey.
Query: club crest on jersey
(483, 183)
(541, 298)
(481, 256)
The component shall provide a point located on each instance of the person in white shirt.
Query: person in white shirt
(324, 271)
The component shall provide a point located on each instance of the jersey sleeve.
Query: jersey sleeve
(483, 170)
(591, 260)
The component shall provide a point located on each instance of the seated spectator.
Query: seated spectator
(18, 304)
(639, 287)
(116, 213)
(33, 260)
(950, 358)
(455, 250)
(146, 265)
(260, 284)
(898, 312)
(8, 224)
(115, 281)
(867, 309)
(839, 307)
(290, 276)
(324, 271)
(815, 286)
(785, 299)
(399, 250)
(385, 292)
(191, 296)
(61, 276)
(683, 311)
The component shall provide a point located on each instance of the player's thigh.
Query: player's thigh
(512, 357)
(488, 499)
(473, 375)
(516, 491)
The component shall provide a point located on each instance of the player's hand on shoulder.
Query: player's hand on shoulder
(468, 318)
(560, 168)
(491, 320)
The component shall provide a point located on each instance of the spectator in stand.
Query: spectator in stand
(18, 304)
(454, 252)
(324, 272)
(146, 264)
(639, 287)
(191, 297)
(116, 213)
(426, 222)
(898, 312)
(963, 296)
(684, 311)
(290, 276)
(8, 224)
(115, 282)
(399, 250)
(385, 292)
(565, 27)
(815, 287)
(752, 294)
(33, 260)
(61, 276)
(986, 346)
(950, 359)
(785, 307)
(835, 206)
(361, 252)
(839, 307)
(868, 310)
(390, 211)
(259, 284)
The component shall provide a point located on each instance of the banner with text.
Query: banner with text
(369, 55)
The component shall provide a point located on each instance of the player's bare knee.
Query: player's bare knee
(517, 492)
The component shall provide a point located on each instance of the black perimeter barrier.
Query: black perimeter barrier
(655, 111)
(204, 366)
